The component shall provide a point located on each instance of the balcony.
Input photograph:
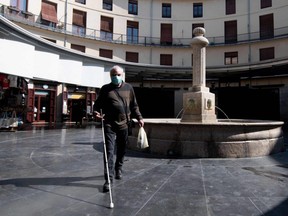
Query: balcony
(30, 19)
(24, 16)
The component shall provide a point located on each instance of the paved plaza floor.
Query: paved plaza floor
(59, 172)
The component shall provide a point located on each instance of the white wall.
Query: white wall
(23, 60)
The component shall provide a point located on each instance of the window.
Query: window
(197, 10)
(106, 28)
(266, 3)
(132, 32)
(266, 26)
(49, 14)
(166, 59)
(107, 5)
(266, 53)
(195, 25)
(133, 7)
(231, 58)
(106, 53)
(166, 10)
(20, 4)
(78, 47)
(230, 7)
(81, 1)
(231, 32)
(166, 34)
(132, 57)
(79, 23)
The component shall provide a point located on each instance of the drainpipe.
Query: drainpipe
(151, 28)
(65, 40)
(249, 38)
(65, 23)
(249, 30)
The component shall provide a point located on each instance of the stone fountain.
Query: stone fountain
(199, 134)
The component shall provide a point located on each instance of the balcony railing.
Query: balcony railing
(30, 19)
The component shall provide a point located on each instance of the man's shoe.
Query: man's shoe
(118, 174)
(106, 187)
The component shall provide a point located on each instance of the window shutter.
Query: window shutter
(108, 1)
(106, 24)
(230, 7)
(79, 18)
(267, 53)
(266, 26)
(266, 3)
(106, 53)
(166, 33)
(132, 57)
(231, 58)
(132, 24)
(166, 59)
(49, 12)
(78, 47)
(231, 31)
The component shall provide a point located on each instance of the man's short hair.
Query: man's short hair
(116, 68)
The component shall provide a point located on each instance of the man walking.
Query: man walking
(118, 103)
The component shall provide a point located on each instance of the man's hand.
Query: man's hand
(98, 115)
(141, 123)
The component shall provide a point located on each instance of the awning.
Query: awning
(49, 12)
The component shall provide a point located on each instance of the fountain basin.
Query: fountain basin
(234, 138)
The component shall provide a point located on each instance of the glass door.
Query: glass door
(41, 106)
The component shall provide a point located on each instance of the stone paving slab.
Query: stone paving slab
(59, 172)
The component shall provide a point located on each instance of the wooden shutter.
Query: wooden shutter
(132, 57)
(106, 24)
(166, 59)
(132, 24)
(267, 53)
(231, 31)
(166, 33)
(266, 3)
(79, 18)
(107, 2)
(266, 26)
(230, 7)
(78, 47)
(231, 58)
(49, 11)
(106, 53)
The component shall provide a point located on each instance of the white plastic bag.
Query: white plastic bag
(142, 141)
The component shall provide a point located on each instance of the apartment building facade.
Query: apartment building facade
(247, 59)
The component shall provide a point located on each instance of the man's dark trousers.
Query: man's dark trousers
(120, 143)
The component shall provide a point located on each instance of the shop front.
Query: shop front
(34, 102)
(13, 92)
(42, 103)
(79, 104)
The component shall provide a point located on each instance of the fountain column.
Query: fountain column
(199, 103)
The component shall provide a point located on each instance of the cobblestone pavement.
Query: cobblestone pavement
(59, 172)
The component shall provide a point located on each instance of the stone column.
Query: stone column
(199, 103)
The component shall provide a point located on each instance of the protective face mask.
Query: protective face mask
(116, 80)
